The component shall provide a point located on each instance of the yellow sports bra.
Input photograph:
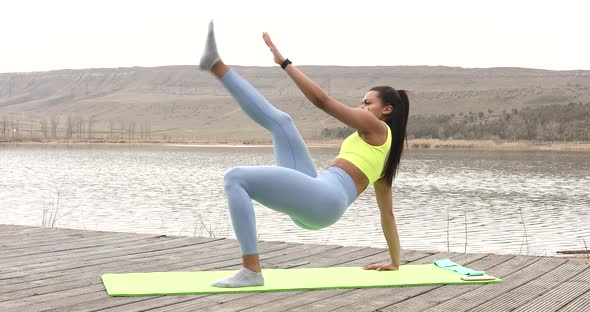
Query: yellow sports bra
(368, 158)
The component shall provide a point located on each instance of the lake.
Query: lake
(508, 202)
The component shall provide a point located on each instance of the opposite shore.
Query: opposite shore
(434, 144)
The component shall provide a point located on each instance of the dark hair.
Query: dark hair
(397, 122)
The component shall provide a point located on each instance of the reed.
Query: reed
(51, 210)
(448, 231)
(586, 248)
(525, 235)
(465, 230)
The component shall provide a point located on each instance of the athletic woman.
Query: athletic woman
(370, 156)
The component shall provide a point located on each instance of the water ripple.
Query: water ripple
(178, 190)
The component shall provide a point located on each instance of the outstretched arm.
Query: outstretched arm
(359, 119)
(384, 201)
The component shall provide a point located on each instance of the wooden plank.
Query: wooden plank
(73, 271)
(496, 265)
(36, 230)
(368, 256)
(71, 278)
(99, 300)
(278, 263)
(50, 251)
(306, 297)
(47, 240)
(62, 304)
(110, 252)
(478, 296)
(579, 304)
(375, 300)
(15, 227)
(163, 301)
(230, 303)
(40, 233)
(222, 298)
(559, 296)
(99, 287)
(174, 260)
(96, 292)
(178, 259)
(531, 290)
(13, 269)
(67, 256)
(377, 293)
(16, 244)
(206, 302)
(190, 304)
(262, 300)
(7, 227)
(282, 301)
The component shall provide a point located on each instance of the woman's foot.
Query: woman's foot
(210, 55)
(243, 278)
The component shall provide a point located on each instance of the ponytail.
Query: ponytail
(397, 122)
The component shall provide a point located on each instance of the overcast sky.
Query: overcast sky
(57, 34)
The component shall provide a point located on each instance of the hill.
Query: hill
(181, 101)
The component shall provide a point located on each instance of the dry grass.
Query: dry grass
(412, 144)
(496, 145)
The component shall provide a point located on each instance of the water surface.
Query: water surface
(439, 196)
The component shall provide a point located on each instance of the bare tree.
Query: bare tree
(54, 120)
(131, 130)
(4, 125)
(148, 129)
(79, 127)
(122, 129)
(91, 122)
(144, 130)
(15, 128)
(69, 127)
(111, 128)
(43, 125)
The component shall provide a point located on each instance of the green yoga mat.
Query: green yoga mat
(177, 283)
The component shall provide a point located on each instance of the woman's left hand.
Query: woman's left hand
(278, 57)
(381, 267)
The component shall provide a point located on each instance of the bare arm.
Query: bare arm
(359, 119)
(384, 201)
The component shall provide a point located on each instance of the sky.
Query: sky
(39, 35)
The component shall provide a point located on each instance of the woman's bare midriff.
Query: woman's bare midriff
(360, 179)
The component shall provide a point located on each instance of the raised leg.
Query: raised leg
(290, 149)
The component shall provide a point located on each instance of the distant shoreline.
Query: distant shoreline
(420, 144)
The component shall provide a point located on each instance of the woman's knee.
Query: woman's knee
(283, 118)
(233, 176)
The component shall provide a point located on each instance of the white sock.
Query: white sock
(210, 56)
(243, 278)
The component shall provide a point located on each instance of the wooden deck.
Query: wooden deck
(48, 269)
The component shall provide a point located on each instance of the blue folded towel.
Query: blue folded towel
(448, 264)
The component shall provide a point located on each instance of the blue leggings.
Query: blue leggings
(293, 186)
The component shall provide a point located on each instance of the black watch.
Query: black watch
(285, 63)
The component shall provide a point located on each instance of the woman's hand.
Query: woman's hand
(381, 267)
(278, 57)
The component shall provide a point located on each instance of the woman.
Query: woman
(369, 156)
